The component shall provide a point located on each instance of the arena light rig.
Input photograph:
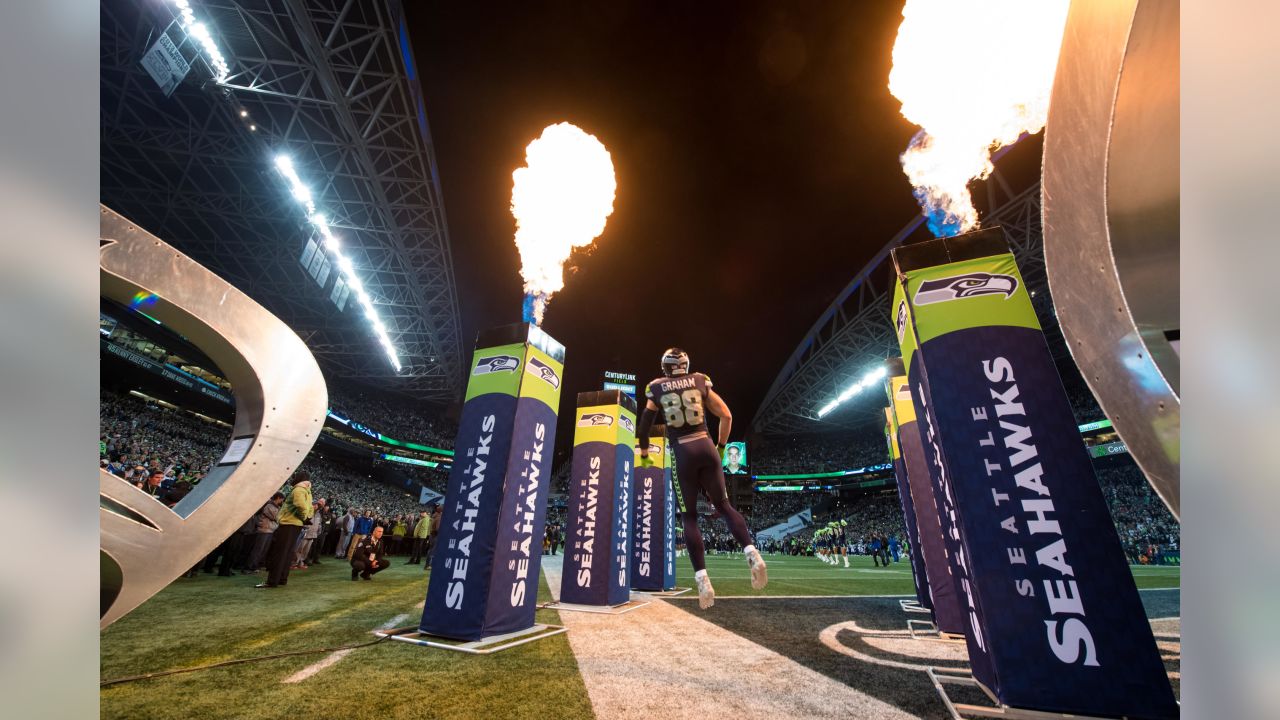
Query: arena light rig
(867, 381)
(200, 31)
(303, 195)
(975, 75)
(561, 200)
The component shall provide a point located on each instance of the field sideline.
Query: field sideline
(210, 619)
(798, 575)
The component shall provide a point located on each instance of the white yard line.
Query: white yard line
(336, 656)
(785, 597)
(707, 670)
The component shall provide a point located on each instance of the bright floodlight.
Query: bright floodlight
(320, 222)
(867, 381)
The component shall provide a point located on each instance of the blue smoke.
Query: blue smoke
(529, 300)
(940, 222)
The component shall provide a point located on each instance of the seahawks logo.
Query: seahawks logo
(496, 363)
(543, 371)
(628, 424)
(904, 394)
(902, 318)
(595, 419)
(959, 287)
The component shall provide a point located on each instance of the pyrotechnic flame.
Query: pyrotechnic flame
(975, 75)
(560, 200)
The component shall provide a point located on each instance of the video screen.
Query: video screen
(735, 458)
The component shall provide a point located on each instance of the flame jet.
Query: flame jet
(561, 200)
(974, 75)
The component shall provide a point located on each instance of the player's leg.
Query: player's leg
(687, 501)
(711, 478)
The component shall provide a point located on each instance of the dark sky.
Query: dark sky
(755, 148)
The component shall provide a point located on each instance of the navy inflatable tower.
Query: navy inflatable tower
(484, 577)
(597, 545)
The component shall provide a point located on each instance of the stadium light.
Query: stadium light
(200, 31)
(867, 381)
(320, 222)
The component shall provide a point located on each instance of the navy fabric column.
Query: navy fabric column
(653, 513)
(1057, 622)
(484, 579)
(918, 574)
(597, 534)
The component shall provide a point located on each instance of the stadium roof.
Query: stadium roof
(332, 87)
(855, 335)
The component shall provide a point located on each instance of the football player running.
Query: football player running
(683, 399)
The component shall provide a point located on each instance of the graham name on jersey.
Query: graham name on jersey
(683, 383)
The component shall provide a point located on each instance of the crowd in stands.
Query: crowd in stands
(345, 487)
(770, 508)
(1148, 531)
(137, 437)
(166, 452)
(815, 454)
(394, 419)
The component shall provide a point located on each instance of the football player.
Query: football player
(842, 539)
(683, 400)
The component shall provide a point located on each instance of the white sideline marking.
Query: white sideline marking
(336, 656)
(786, 597)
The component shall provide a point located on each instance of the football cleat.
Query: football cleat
(706, 593)
(759, 573)
(675, 362)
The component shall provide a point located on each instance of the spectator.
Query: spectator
(421, 531)
(436, 515)
(296, 510)
(267, 519)
(154, 484)
(309, 535)
(368, 557)
(364, 527)
(398, 532)
(348, 526)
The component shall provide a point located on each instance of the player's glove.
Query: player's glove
(646, 461)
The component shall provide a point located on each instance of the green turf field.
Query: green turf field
(794, 575)
(209, 619)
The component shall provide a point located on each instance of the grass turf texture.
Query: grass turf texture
(797, 575)
(210, 619)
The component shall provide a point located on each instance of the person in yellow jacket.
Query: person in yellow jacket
(296, 511)
(421, 531)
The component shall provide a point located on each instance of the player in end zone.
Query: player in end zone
(684, 398)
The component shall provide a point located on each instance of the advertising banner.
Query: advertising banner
(918, 575)
(653, 555)
(597, 544)
(484, 579)
(1055, 621)
(935, 552)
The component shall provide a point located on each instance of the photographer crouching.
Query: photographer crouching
(368, 557)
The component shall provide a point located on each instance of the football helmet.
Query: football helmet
(675, 362)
